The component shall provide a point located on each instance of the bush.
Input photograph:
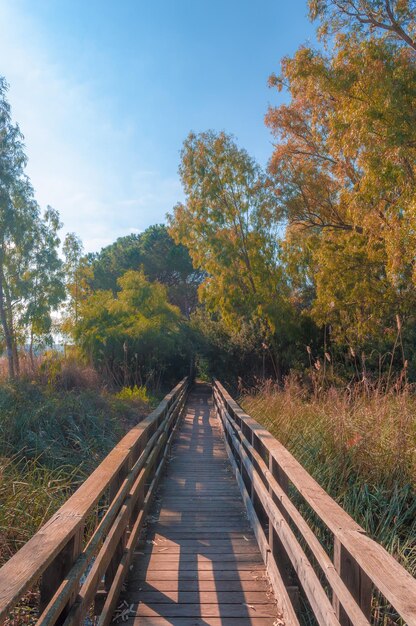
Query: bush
(134, 393)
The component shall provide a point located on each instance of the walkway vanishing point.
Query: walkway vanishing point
(196, 518)
(200, 563)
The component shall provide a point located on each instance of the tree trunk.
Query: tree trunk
(32, 360)
(9, 310)
(6, 330)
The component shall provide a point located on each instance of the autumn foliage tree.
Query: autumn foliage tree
(388, 19)
(344, 165)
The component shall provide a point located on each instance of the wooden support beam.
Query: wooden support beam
(356, 581)
(57, 571)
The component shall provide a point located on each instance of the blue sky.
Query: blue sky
(105, 92)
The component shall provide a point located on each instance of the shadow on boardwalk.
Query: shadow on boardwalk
(199, 563)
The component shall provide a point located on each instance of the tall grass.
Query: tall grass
(57, 422)
(56, 425)
(359, 446)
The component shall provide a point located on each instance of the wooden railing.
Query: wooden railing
(339, 583)
(76, 577)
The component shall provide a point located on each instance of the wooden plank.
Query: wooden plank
(70, 583)
(204, 560)
(234, 574)
(158, 560)
(162, 542)
(106, 615)
(321, 606)
(200, 597)
(356, 581)
(329, 511)
(397, 585)
(242, 547)
(111, 543)
(179, 535)
(220, 516)
(283, 600)
(204, 610)
(202, 566)
(288, 511)
(205, 621)
(241, 586)
(56, 573)
(194, 529)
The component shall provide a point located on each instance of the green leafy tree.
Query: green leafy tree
(134, 336)
(77, 277)
(44, 287)
(161, 259)
(22, 229)
(228, 225)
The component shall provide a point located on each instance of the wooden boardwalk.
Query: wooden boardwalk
(196, 561)
(198, 564)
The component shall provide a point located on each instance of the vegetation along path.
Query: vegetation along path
(199, 563)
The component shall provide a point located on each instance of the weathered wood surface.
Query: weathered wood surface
(199, 563)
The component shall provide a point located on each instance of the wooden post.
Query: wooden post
(277, 551)
(140, 498)
(57, 571)
(356, 581)
(119, 551)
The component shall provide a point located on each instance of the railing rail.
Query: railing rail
(73, 577)
(267, 473)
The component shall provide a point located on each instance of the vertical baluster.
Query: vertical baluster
(56, 572)
(356, 581)
(118, 553)
(278, 553)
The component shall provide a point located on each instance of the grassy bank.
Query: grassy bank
(360, 447)
(52, 435)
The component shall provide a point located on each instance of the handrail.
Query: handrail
(70, 573)
(264, 469)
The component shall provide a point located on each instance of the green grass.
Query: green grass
(361, 449)
(50, 441)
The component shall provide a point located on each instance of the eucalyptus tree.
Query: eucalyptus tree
(26, 237)
(344, 162)
(44, 282)
(228, 224)
(76, 271)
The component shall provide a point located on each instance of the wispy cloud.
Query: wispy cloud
(77, 158)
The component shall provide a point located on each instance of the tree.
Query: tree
(135, 336)
(344, 164)
(22, 228)
(228, 226)
(170, 264)
(77, 276)
(108, 265)
(393, 19)
(161, 259)
(44, 281)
